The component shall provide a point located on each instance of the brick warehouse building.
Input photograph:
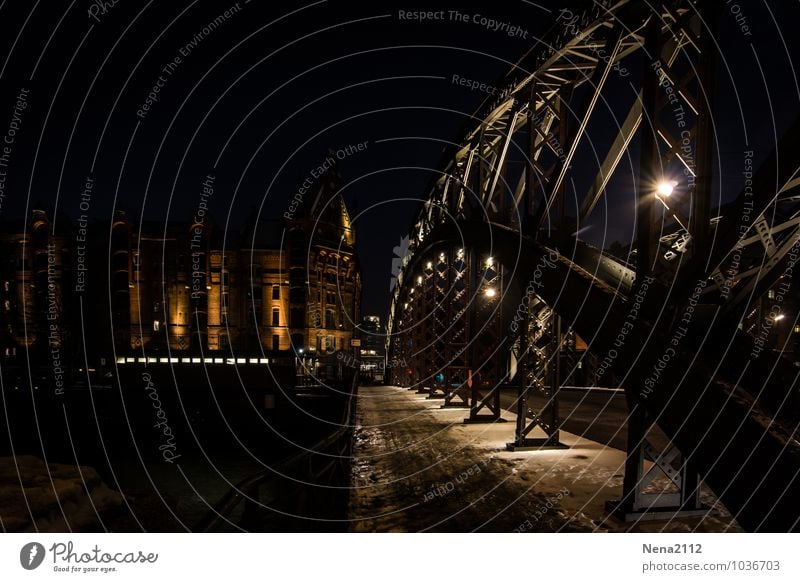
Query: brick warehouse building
(180, 292)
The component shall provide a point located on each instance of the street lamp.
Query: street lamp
(490, 292)
(665, 188)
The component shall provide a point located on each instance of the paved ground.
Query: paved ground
(419, 468)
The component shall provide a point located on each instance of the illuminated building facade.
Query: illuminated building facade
(183, 289)
(34, 270)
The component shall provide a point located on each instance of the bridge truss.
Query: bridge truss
(497, 284)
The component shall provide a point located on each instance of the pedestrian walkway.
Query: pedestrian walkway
(417, 467)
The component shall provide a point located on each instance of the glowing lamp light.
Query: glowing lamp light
(665, 188)
(490, 292)
(778, 317)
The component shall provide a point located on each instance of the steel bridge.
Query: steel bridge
(497, 288)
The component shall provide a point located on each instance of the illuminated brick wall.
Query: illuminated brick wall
(174, 291)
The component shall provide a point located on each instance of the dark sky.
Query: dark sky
(259, 100)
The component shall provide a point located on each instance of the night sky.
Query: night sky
(258, 100)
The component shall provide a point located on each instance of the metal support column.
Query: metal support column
(650, 160)
(488, 352)
(533, 376)
(668, 488)
(458, 292)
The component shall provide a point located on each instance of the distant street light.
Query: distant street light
(490, 292)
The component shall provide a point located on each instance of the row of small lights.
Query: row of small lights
(228, 361)
(489, 292)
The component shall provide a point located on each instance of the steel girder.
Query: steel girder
(732, 253)
(537, 350)
(456, 265)
(472, 180)
(489, 363)
(751, 462)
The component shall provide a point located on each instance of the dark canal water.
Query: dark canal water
(172, 441)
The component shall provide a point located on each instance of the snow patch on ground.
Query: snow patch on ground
(35, 496)
(417, 467)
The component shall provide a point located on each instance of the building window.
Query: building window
(797, 329)
(330, 343)
(224, 278)
(297, 315)
(771, 294)
(330, 319)
(156, 325)
(276, 343)
(276, 292)
(276, 317)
